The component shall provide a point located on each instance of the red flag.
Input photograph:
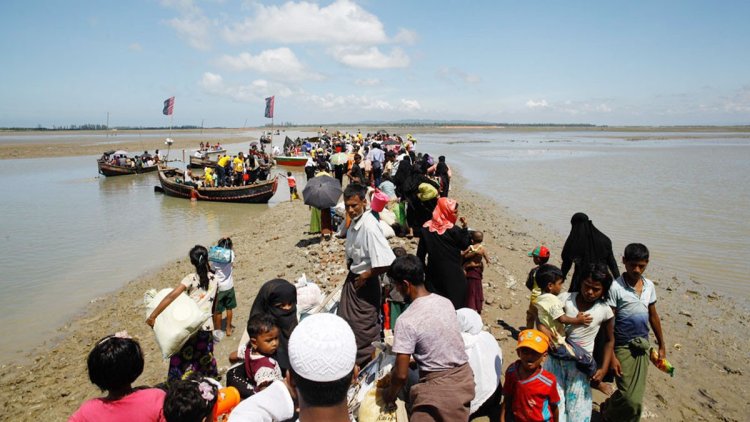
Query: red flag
(168, 106)
(269, 107)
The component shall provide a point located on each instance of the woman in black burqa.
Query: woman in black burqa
(408, 178)
(586, 245)
(278, 298)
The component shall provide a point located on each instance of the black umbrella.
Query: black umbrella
(390, 142)
(322, 192)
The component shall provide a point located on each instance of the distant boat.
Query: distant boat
(285, 160)
(256, 193)
(207, 158)
(109, 170)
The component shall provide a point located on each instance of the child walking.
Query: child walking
(226, 299)
(197, 354)
(474, 258)
(633, 300)
(292, 182)
(530, 392)
(540, 255)
(574, 384)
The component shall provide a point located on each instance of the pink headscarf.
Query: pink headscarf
(443, 217)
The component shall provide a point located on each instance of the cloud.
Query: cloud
(405, 36)
(367, 82)
(135, 47)
(452, 74)
(532, 104)
(739, 101)
(341, 22)
(410, 105)
(256, 91)
(281, 62)
(349, 102)
(369, 57)
(192, 25)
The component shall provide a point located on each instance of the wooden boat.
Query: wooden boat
(257, 193)
(199, 163)
(109, 170)
(285, 160)
(207, 158)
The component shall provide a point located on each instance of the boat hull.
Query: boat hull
(257, 193)
(110, 170)
(290, 161)
(199, 163)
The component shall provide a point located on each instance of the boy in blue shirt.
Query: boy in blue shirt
(633, 300)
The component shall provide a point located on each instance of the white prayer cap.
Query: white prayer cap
(322, 348)
(469, 321)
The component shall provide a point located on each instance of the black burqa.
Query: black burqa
(418, 212)
(273, 292)
(584, 246)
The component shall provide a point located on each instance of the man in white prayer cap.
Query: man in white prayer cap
(322, 353)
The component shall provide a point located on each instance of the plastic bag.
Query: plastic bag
(373, 409)
(177, 322)
(662, 364)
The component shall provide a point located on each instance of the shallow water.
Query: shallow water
(70, 236)
(684, 198)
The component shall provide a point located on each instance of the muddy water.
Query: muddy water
(687, 199)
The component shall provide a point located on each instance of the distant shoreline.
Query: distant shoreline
(37, 144)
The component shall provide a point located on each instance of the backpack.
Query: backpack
(219, 255)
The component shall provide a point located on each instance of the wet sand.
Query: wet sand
(702, 330)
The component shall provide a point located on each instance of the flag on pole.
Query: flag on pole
(269, 107)
(168, 106)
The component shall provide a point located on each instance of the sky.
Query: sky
(347, 61)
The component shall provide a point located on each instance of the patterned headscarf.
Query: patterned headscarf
(444, 216)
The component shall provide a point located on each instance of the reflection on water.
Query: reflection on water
(686, 199)
(69, 236)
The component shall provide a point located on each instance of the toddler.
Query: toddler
(473, 262)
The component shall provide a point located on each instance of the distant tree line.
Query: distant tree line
(91, 126)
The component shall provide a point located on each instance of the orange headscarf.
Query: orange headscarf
(443, 217)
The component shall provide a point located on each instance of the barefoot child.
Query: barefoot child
(226, 300)
(474, 269)
(633, 300)
(292, 182)
(540, 255)
(530, 392)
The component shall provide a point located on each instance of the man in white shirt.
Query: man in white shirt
(368, 255)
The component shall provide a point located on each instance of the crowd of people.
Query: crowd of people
(425, 303)
(120, 158)
(234, 170)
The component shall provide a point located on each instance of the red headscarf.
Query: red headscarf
(443, 217)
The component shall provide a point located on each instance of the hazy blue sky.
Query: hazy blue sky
(602, 62)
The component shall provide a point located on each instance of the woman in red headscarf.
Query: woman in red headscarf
(440, 249)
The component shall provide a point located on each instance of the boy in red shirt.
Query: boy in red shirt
(292, 186)
(530, 391)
